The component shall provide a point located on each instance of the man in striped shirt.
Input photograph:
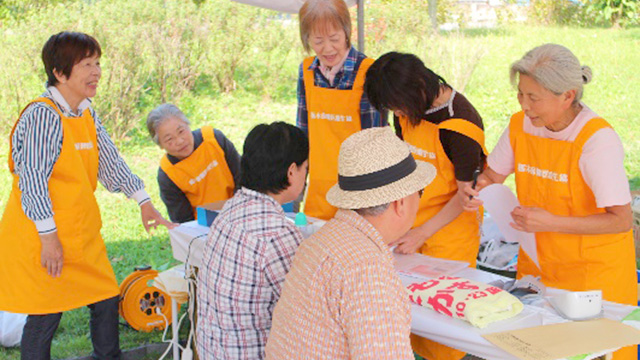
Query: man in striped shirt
(342, 298)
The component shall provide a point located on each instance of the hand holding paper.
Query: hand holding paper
(532, 219)
(500, 202)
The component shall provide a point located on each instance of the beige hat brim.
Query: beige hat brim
(422, 176)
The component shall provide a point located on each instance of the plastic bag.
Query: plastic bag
(495, 252)
(529, 289)
(11, 326)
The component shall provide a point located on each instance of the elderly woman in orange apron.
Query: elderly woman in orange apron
(53, 257)
(331, 104)
(443, 128)
(570, 180)
(200, 166)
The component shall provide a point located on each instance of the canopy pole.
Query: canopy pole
(361, 26)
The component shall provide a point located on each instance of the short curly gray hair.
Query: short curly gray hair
(554, 67)
(161, 113)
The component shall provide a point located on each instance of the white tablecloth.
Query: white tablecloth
(188, 239)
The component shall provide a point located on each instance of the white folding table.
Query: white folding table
(188, 240)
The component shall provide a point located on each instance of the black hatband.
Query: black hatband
(378, 178)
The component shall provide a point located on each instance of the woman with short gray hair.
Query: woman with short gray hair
(570, 180)
(200, 166)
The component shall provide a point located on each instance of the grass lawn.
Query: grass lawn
(614, 94)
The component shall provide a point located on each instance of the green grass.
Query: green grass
(614, 94)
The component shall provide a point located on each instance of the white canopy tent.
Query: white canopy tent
(292, 7)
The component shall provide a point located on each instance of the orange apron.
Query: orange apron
(203, 176)
(87, 276)
(458, 240)
(334, 115)
(548, 176)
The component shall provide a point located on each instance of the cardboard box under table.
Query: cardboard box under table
(187, 241)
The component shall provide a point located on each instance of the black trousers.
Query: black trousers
(39, 329)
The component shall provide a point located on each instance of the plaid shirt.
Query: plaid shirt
(249, 250)
(369, 116)
(342, 298)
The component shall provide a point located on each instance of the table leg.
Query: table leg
(174, 329)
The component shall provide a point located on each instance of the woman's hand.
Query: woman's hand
(51, 256)
(151, 218)
(413, 240)
(469, 194)
(532, 219)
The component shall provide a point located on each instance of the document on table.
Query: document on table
(423, 266)
(563, 340)
(500, 201)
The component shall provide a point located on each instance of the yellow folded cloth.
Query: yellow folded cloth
(478, 303)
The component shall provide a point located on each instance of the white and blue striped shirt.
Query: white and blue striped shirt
(37, 142)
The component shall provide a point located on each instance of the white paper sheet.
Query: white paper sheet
(500, 201)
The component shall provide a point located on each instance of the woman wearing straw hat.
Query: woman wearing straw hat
(570, 180)
(342, 298)
(443, 128)
(331, 105)
(53, 256)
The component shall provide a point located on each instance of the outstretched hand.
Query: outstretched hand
(151, 218)
(410, 242)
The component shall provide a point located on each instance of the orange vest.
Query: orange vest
(458, 240)
(87, 276)
(548, 176)
(334, 115)
(203, 176)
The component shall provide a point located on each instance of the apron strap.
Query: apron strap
(165, 164)
(591, 127)
(467, 129)
(358, 83)
(41, 99)
(207, 133)
(307, 74)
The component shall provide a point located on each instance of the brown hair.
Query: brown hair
(316, 14)
(65, 49)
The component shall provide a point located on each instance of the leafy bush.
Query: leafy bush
(586, 13)
(616, 12)
(559, 12)
(153, 51)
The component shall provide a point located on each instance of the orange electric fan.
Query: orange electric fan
(143, 306)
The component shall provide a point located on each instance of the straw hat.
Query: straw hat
(375, 167)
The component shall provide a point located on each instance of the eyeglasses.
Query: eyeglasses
(420, 192)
